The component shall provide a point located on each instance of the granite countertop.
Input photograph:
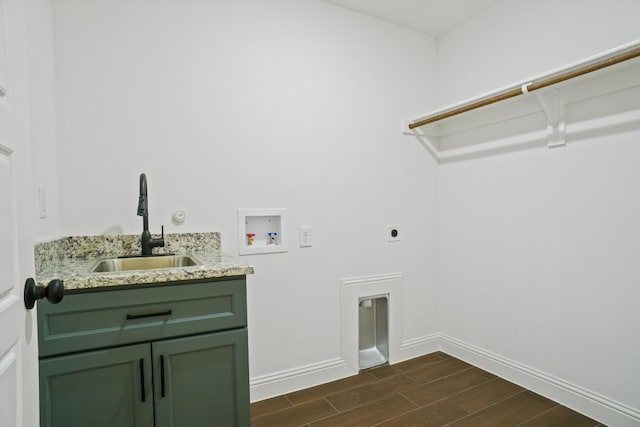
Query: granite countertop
(71, 258)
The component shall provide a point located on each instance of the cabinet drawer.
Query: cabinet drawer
(99, 319)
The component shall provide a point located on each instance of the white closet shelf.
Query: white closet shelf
(518, 116)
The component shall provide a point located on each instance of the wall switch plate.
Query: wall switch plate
(305, 236)
(42, 202)
(393, 233)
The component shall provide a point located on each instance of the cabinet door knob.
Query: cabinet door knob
(54, 292)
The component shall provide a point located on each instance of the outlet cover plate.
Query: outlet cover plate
(393, 233)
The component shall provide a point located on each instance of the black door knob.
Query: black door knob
(54, 291)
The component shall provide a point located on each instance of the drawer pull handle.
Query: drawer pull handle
(155, 314)
(161, 376)
(142, 393)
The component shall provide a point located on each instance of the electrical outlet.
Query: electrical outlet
(393, 233)
(305, 236)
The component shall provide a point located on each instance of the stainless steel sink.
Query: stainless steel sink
(143, 263)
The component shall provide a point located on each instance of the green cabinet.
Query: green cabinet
(172, 355)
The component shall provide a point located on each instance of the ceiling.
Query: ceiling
(432, 17)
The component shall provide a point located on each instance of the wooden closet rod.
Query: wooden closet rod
(529, 87)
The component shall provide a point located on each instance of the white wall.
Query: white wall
(232, 104)
(517, 39)
(42, 115)
(539, 248)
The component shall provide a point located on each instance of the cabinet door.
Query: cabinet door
(97, 388)
(202, 380)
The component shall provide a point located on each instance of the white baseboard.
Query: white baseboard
(299, 378)
(417, 347)
(594, 405)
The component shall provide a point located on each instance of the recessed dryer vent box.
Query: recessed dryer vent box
(261, 231)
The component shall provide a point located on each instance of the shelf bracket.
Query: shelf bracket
(429, 142)
(553, 107)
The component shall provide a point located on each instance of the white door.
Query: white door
(18, 334)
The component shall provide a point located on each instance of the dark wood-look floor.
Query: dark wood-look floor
(430, 391)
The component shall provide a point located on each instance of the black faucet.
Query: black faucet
(146, 241)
